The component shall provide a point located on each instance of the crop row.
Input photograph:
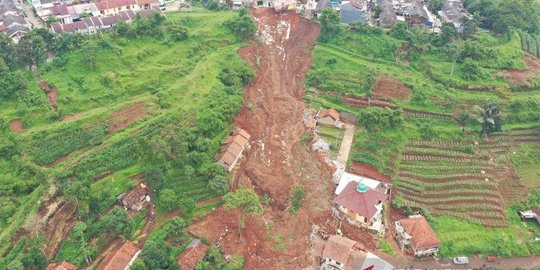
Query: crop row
(444, 176)
(455, 199)
(438, 143)
(441, 192)
(414, 157)
(467, 207)
(479, 184)
(437, 151)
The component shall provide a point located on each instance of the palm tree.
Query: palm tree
(489, 116)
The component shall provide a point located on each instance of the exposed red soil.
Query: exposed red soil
(278, 159)
(16, 126)
(522, 76)
(368, 171)
(57, 218)
(388, 87)
(51, 91)
(125, 117)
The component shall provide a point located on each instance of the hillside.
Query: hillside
(416, 98)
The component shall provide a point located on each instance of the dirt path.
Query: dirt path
(272, 114)
(346, 144)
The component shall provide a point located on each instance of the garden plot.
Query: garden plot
(332, 136)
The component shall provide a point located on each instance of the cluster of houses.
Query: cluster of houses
(12, 20)
(89, 18)
(413, 12)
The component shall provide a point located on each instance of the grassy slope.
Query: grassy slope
(458, 237)
(166, 77)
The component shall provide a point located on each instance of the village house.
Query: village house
(122, 258)
(232, 149)
(533, 214)
(114, 7)
(415, 234)
(193, 254)
(340, 253)
(61, 266)
(329, 117)
(451, 12)
(12, 23)
(388, 17)
(135, 199)
(360, 201)
(417, 14)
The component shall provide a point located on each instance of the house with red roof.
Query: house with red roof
(114, 7)
(361, 205)
(415, 234)
(193, 254)
(232, 149)
(122, 258)
(61, 266)
(340, 253)
(329, 117)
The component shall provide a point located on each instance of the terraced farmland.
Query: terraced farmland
(443, 178)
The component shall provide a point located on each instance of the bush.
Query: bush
(242, 26)
(297, 197)
(168, 199)
(219, 185)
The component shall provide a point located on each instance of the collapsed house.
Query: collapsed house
(533, 214)
(415, 234)
(388, 17)
(122, 258)
(232, 149)
(135, 199)
(451, 12)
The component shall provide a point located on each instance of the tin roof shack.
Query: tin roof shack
(415, 234)
(135, 199)
(61, 266)
(530, 214)
(232, 149)
(193, 254)
(122, 258)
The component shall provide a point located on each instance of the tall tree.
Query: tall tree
(489, 116)
(330, 21)
(246, 201)
(32, 50)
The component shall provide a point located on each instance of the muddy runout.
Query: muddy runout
(278, 159)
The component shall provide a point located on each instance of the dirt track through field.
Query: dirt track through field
(278, 159)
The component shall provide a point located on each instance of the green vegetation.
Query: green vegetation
(451, 137)
(150, 101)
(296, 198)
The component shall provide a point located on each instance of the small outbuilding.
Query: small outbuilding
(135, 199)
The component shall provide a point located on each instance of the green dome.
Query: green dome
(361, 188)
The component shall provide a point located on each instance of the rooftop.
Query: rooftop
(193, 254)
(121, 258)
(362, 203)
(61, 266)
(422, 234)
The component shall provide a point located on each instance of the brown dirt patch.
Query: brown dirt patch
(278, 159)
(522, 76)
(368, 171)
(51, 91)
(16, 126)
(125, 117)
(56, 218)
(388, 87)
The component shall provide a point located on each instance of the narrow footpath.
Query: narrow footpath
(346, 144)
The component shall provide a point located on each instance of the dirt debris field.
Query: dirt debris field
(278, 159)
(388, 87)
(522, 76)
(123, 118)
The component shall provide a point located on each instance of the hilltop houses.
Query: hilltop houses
(416, 235)
(12, 22)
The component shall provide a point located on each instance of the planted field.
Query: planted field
(446, 180)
